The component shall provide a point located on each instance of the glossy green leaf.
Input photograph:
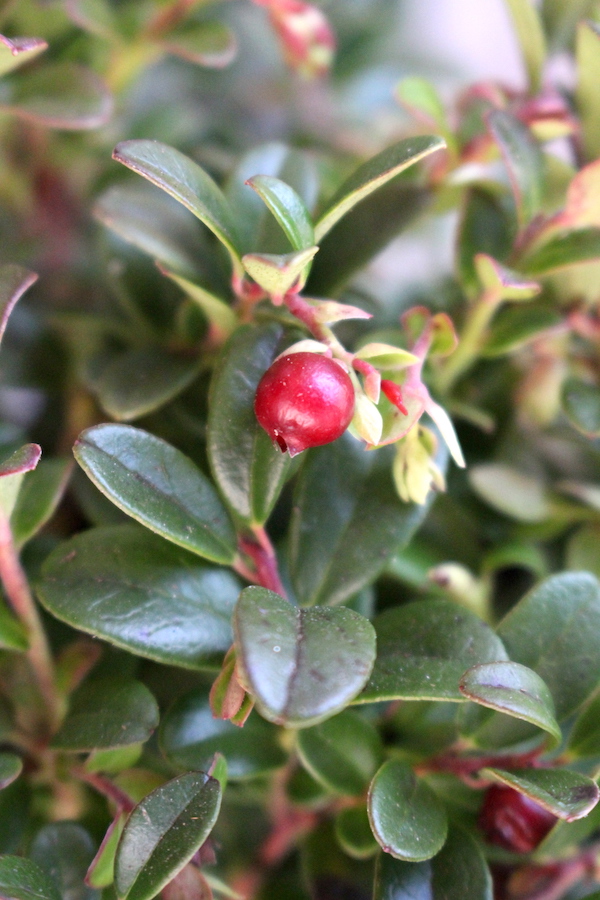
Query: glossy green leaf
(408, 820)
(424, 648)
(372, 175)
(101, 872)
(484, 228)
(12, 470)
(584, 739)
(342, 753)
(302, 665)
(347, 522)
(107, 713)
(588, 74)
(65, 850)
(143, 594)
(163, 832)
(152, 222)
(13, 635)
(555, 630)
(363, 232)
(40, 494)
(511, 492)
(220, 316)
(581, 403)
(14, 281)
(569, 834)
(22, 879)
(458, 871)
(562, 251)
(159, 486)
(530, 33)
(183, 179)
(276, 274)
(516, 326)
(190, 736)
(59, 95)
(248, 468)
(114, 760)
(522, 156)
(139, 381)
(353, 831)
(511, 688)
(567, 794)
(288, 208)
(11, 767)
(209, 44)
(16, 51)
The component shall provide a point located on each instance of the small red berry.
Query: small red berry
(304, 400)
(512, 820)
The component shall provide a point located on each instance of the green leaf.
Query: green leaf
(588, 74)
(65, 850)
(530, 33)
(421, 99)
(302, 665)
(511, 688)
(457, 872)
(101, 872)
(12, 470)
(209, 44)
(372, 175)
(342, 753)
(190, 736)
(522, 156)
(555, 630)
(584, 739)
(568, 795)
(11, 767)
(219, 315)
(582, 550)
(288, 208)
(154, 223)
(277, 274)
(16, 51)
(14, 281)
(516, 326)
(484, 228)
(13, 635)
(107, 713)
(139, 381)
(160, 487)
(423, 649)
(503, 282)
(353, 831)
(347, 522)
(248, 468)
(163, 832)
(59, 95)
(407, 819)
(115, 760)
(22, 879)
(511, 492)
(562, 251)
(40, 494)
(363, 233)
(143, 594)
(183, 179)
(581, 403)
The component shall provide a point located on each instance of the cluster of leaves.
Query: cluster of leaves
(293, 678)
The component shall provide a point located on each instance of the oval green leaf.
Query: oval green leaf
(65, 850)
(373, 174)
(353, 831)
(515, 326)
(209, 44)
(14, 281)
(302, 665)
(190, 736)
(11, 767)
(101, 872)
(511, 688)
(16, 51)
(23, 879)
(581, 404)
(137, 591)
(522, 156)
(59, 95)
(248, 468)
(288, 208)
(562, 251)
(407, 819)
(540, 632)
(106, 713)
(187, 182)
(40, 494)
(163, 832)
(342, 753)
(567, 794)
(423, 649)
(584, 739)
(159, 486)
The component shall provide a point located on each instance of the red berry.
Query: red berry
(512, 820)
(304, 400)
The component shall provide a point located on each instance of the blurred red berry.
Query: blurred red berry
(304, 400)
(512, 820)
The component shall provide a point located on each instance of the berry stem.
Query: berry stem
(264, 570)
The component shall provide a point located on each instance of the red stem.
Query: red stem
(264, 570)
(107, 788)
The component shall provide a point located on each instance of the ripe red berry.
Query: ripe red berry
(512, 820)
(304, 400)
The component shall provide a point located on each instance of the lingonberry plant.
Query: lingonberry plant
(323, 623)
